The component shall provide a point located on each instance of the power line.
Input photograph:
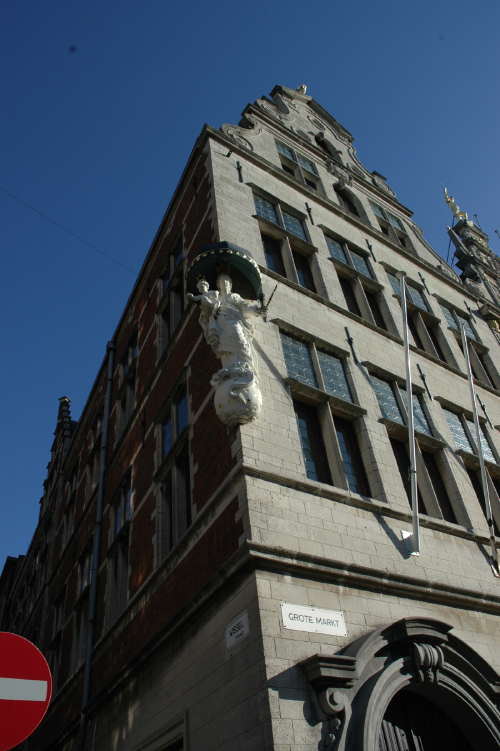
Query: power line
(66, 229)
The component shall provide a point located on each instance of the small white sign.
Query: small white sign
(237, 630)
(316, 620)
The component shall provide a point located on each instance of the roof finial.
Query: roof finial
(455, 208)
(302, 89)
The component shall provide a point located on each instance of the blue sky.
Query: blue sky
(96, 140)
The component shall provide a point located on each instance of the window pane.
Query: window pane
(450, 318)
(416, 297)
(457, 429)
(360, 263)
(306, 164)
(351, 458)
(285, 150)
(298, 360)
(372, 300)
(438, 486)
(396, 223)
(350, 298)
(182, 413)
(487, 452)
(387, 399)
(182, 493)
(311, 440)
(469, 332)
(303, 269)
(399, 450)
(266, 209)
(272, 252)
(346, 201)
(166, 521)
(332, 369)
(167, 437)
(419, 419)
(336, 249)
(378, 211)
(294, 225)
(395, 283)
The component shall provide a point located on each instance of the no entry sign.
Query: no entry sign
(25, 689)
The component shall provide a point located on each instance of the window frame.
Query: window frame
(328, 408)
(172, 295)
(170, 478)
(291, 164)
(395, 230)
(288, 249)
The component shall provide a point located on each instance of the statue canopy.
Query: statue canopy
(230, 259)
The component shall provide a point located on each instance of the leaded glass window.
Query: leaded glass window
(419, 417)
(454, 319)
(360, 263)
(395, 283)
(307, 164)
(462, 320)
(334, 376)
(487, 452)
(457, 429)
(378, 211)
(272, 252)
(416, 297)
(298, 360)
(396, 223)
(387, 399)
(266, 209)
(285, 150)
(294, 225)
(336, 249)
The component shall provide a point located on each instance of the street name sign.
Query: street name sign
(25, 689)
(315, 620)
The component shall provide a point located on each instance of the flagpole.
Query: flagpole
(415, 538)
(479, 446)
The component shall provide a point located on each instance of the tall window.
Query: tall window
(118, 556)
(482, 366)
(423, 325)
(362, 293)
(172, 303)
(347, 201)
(433, 494)
(292, 259)
(391, 226)
(327, 431)
(174, 509)
(298, 166)
(127, 383)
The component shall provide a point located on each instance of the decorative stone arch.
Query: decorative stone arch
(355, 687)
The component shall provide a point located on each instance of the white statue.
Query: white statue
(225, 318)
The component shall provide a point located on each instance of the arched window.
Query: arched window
(347, 201)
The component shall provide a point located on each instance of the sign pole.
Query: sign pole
(415, 538)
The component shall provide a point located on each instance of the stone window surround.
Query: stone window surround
(398, 234)
(465, 417)
(301, 173)
(290, 243)
(423, 320)
(426, 442)
(327, 404)
(483, 368)
(361, 283)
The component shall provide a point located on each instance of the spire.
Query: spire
(64, 422)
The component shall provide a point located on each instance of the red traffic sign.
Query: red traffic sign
(25, 689)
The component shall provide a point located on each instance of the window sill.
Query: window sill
(353, 273)
(399, 430)
(314, 395)
(473, 460)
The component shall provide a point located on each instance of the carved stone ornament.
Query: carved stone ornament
(226, 319)
(234, 132)
(344, 178)
(428, 660)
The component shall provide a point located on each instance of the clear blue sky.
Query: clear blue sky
(96, 139)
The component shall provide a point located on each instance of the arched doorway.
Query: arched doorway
(413, 723)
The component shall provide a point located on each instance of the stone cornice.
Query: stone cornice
(280, 560)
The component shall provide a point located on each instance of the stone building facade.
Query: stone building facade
(200, 584)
